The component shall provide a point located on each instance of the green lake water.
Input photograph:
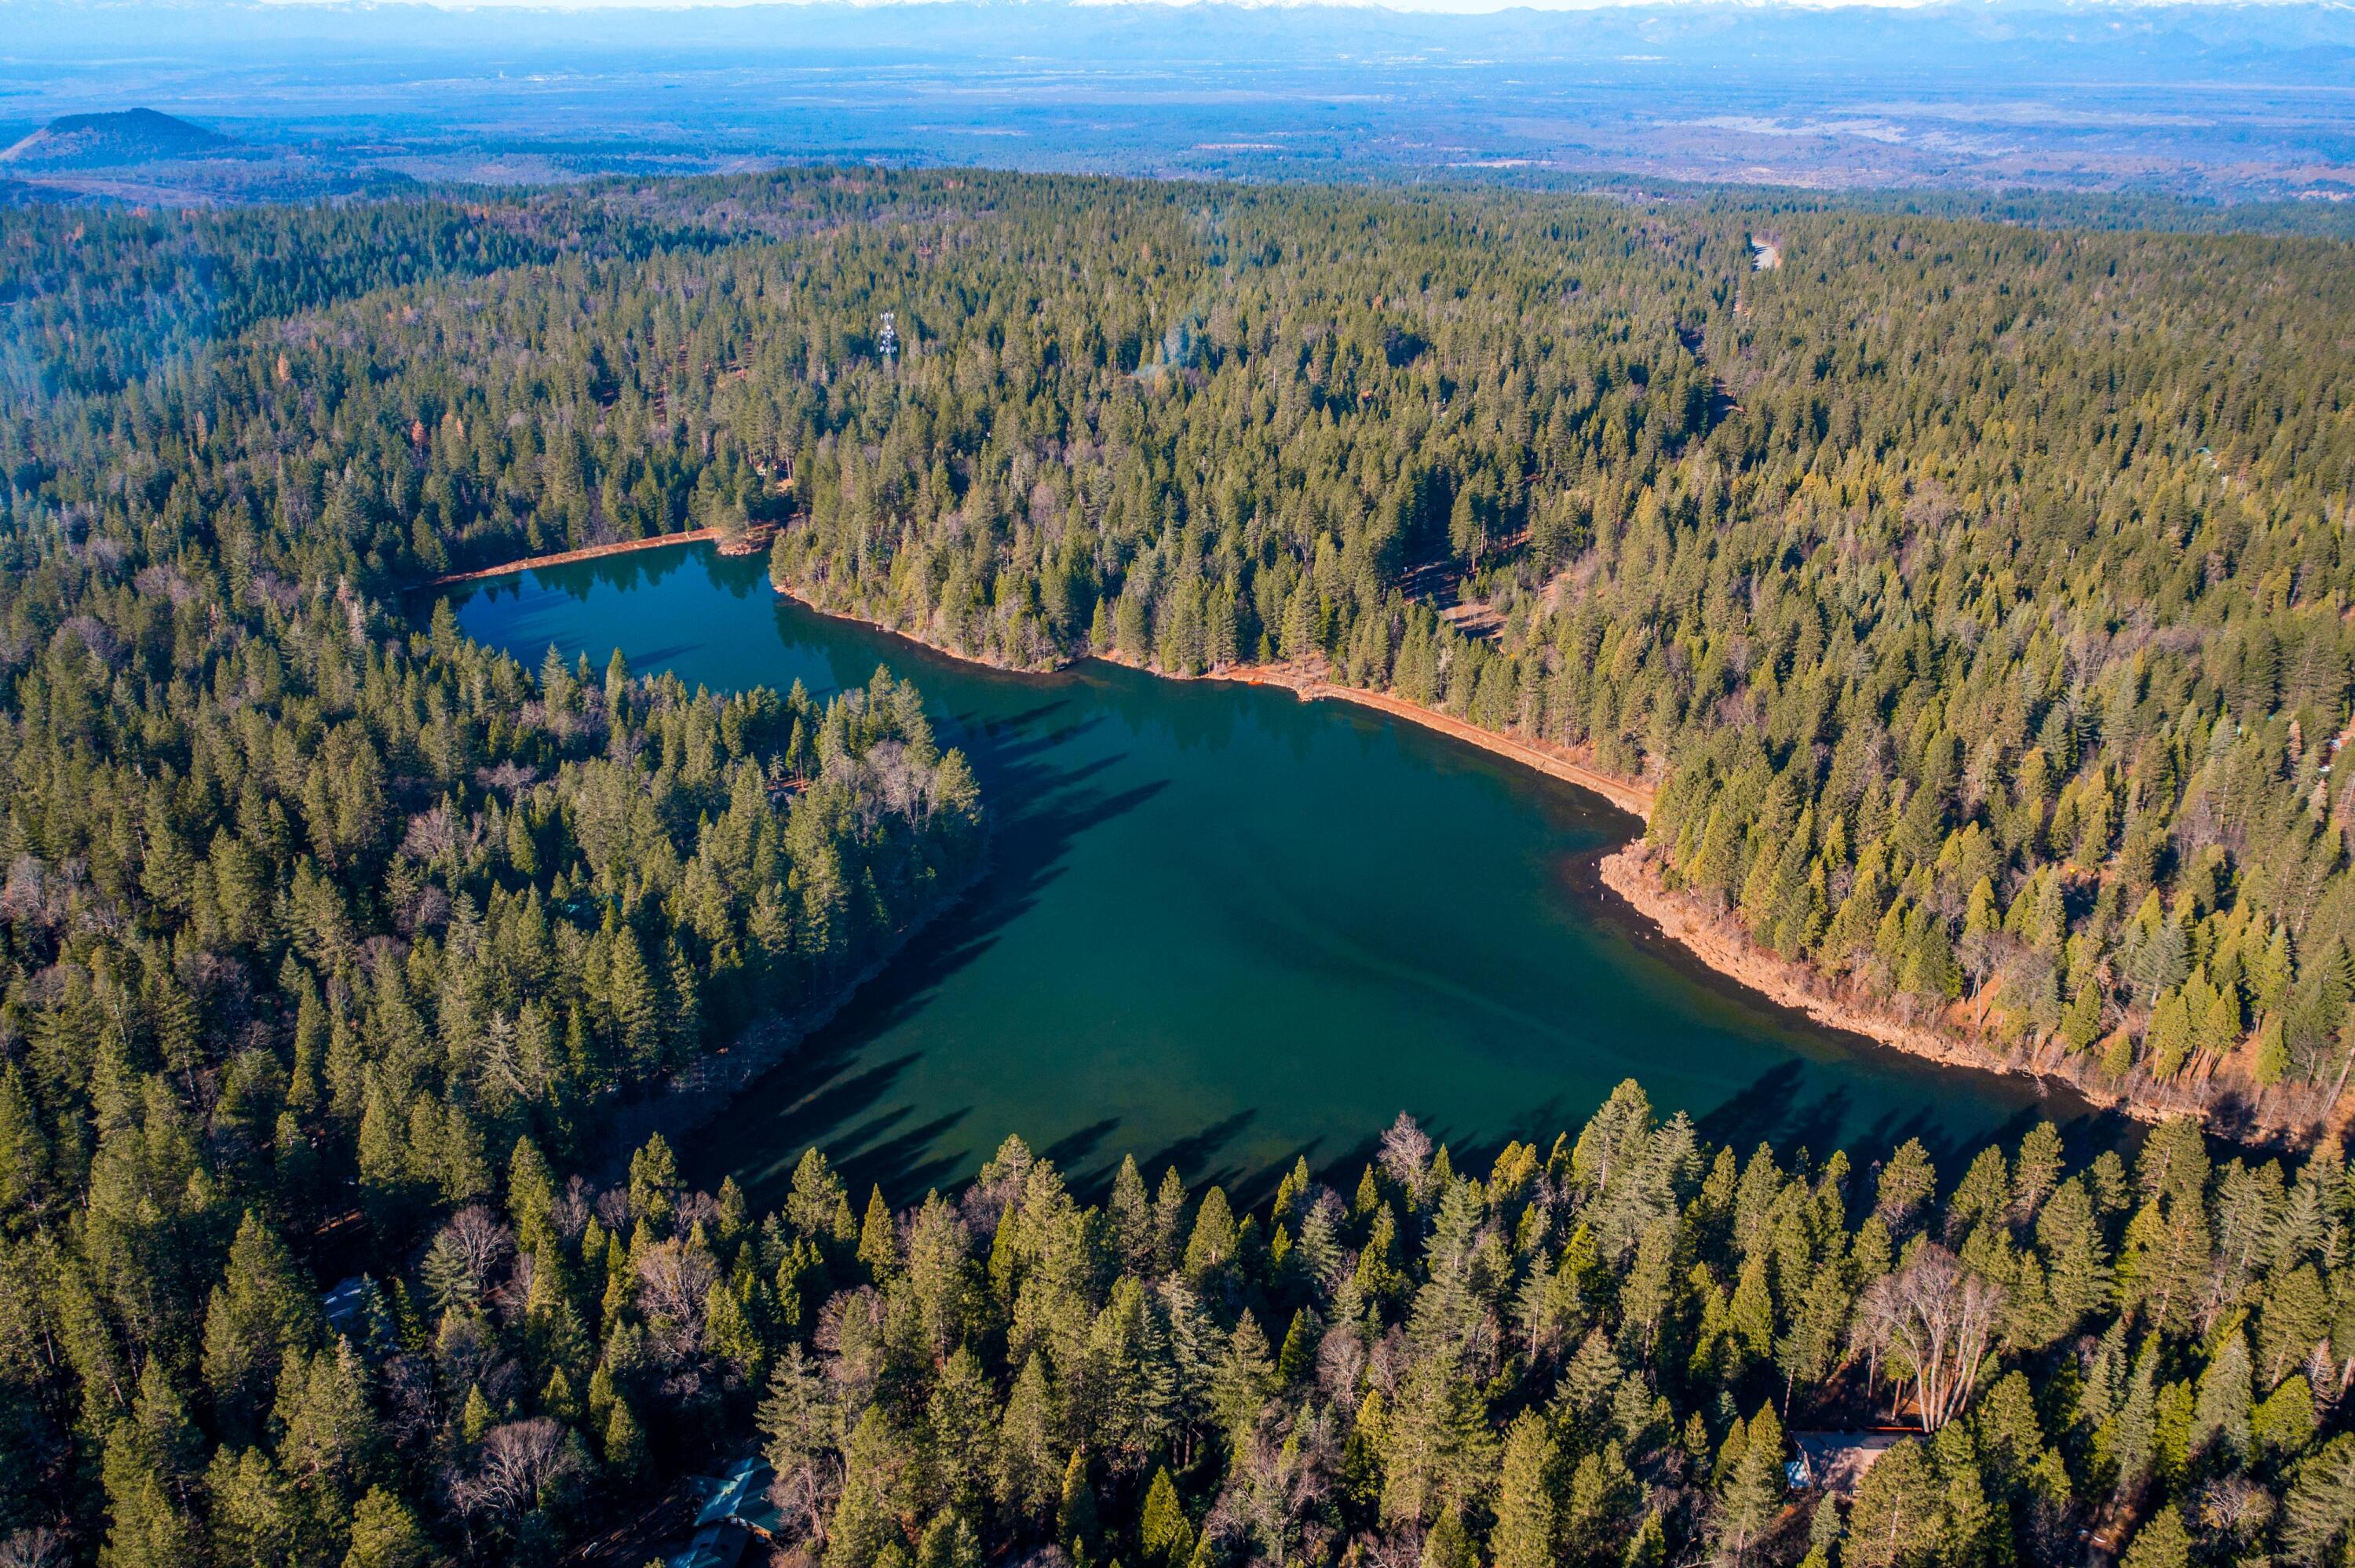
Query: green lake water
(1224, 928)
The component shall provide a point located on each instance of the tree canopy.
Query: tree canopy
(1975, 597)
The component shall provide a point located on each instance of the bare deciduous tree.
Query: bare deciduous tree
(1275, 1497)
(37, 1548)
(519, 1461)
(673, 1280)
(1340, 1363)
(1933, 1318)
(466, 1258)
(1405, 1154)
(481, 1240)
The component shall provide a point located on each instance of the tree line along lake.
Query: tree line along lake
(1223, 928)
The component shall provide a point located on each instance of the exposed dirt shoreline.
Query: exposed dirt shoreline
(747, 541)
(566, 557)
(1631, 796)
(1632, 873)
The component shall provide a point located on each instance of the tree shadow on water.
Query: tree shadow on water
(1777, 1109)
(1070, 1152)
(1208, 1158)
(1023, 862)
(907, 1163)
(817, 1096)
(981, 734)
(1192, 1155)
(801, 1103)
(1769, 1110)
(646, 659)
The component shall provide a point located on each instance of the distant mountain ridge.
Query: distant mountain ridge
(125, 136)
(2003, 41)
(2203, 99)
(2232, 29)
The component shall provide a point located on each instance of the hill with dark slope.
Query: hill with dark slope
(130, 136)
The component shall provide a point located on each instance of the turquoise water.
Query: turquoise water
(1225, 927)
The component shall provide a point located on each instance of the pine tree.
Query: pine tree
(2078, 1280)
(148, 1528)
(634, 1006)
(1752, 1492)
(262, 1309)
(878, 1238)
(1027, 1478)
(2168, 1039)
(1297, 1359)
(1527, 1534)
(386, 1194)
(1131, 1213)
(1649, 1546)
(2220, 1424)
(168, 1439)
(1897, 1521)
(1971, 1523)
(1825, 1530)
(2171, 1439)
(2293, 1316)
(475, 1417)
(254, 1513)
(626, 1456)
(1750, 1314)
(962, 1418)
(2319, 1508)
(1163, 1532)
(1905, 1182)
(1449, 1544)
(2161, 1542)
(2127, 1443)
(653, 1182)
(1211, 1245)
(865, 1520)
(2283, 1423)
(386, 1535)
(24, 1152)
(1438, 1450)
(558, 1399)
(1075, 1515)
(1242, 1381)
(532, 1196)
(1819, 1332)
(815, 1194)
(949, 1543)
(2163, 1268)
(2036, 1172)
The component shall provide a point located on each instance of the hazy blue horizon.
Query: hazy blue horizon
(2183, 100)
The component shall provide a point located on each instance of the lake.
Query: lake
(1224, 928)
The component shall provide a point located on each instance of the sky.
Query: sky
(1449, 7)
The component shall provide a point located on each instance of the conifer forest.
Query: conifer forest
(1973, 603)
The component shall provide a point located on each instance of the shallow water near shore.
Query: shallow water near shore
(1224, 928)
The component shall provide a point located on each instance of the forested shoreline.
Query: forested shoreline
(1970, 596)
(1975, 598)
(311, 913)
(1960, 797)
